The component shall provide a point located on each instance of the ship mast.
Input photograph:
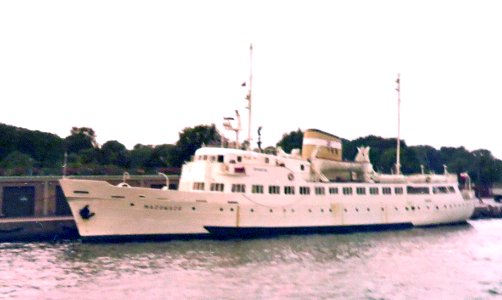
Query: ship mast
(248, 97)
(398, 151)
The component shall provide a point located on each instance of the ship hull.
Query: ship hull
(107, 212)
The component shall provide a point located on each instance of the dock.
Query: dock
(38, 229)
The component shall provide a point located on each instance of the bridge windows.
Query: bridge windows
(333, 190)
(373, 191)
(398, 190)
(361, 191)
(417, 190)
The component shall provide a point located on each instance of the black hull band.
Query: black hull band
(250, 232)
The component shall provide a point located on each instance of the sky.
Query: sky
(142, 71)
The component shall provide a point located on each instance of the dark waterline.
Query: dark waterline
(451, 262)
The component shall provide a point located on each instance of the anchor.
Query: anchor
(85, 213)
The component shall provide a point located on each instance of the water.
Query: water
(453, 262)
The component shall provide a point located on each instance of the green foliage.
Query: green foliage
(193, 138)
(114, 153)
(290, 141)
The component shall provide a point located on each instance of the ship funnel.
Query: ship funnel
(328, 146)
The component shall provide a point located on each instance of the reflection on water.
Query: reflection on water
(448, 262)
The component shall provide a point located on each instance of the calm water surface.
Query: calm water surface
(453, 262)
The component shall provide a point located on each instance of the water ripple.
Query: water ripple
(452, 262)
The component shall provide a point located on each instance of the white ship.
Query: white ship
(240, 193)
(236, 193)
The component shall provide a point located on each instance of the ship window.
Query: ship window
(451, 189)
(304, 190)
(302, 167)
(333, 190)
(289, 190)
(373, 191)
(239, 158)
(361, 191)
(198, 186)
(212, 158)
(386, 190)
(347, 191)
(274, 189)
(398, 190)
(417, 190)
(204, 157)
(238, 188)
(319, 190)
(267, 160)
(217, 187)
(220, 158)
(439, 190)
(257, 189)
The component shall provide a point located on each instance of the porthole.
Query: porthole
(271, 210)
(368, 209)
(284, 210)
(330, 210)
(437, 207)
(382, 209)
(221, 209)
(413, 208)
(252, 210)
(406, 208)
(193, 207)
(396, 208)
(357, 209)
(292, 210)
(231, 209)
(131, 204)
(345, 210)
(322, 210)
(310, 210)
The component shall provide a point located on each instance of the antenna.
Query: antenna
(398, 151)
(248, 97)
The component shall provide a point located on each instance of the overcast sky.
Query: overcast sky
(141, 71)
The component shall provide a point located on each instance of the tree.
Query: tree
(114, 153)
(81, 138)
(292, 140)
(18, 163)
(193, 138)
(139, 156)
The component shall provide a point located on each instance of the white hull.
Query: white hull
(121, 211)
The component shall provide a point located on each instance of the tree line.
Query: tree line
(27, 152)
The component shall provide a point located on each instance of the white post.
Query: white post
(249, 96)
(398, 151)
